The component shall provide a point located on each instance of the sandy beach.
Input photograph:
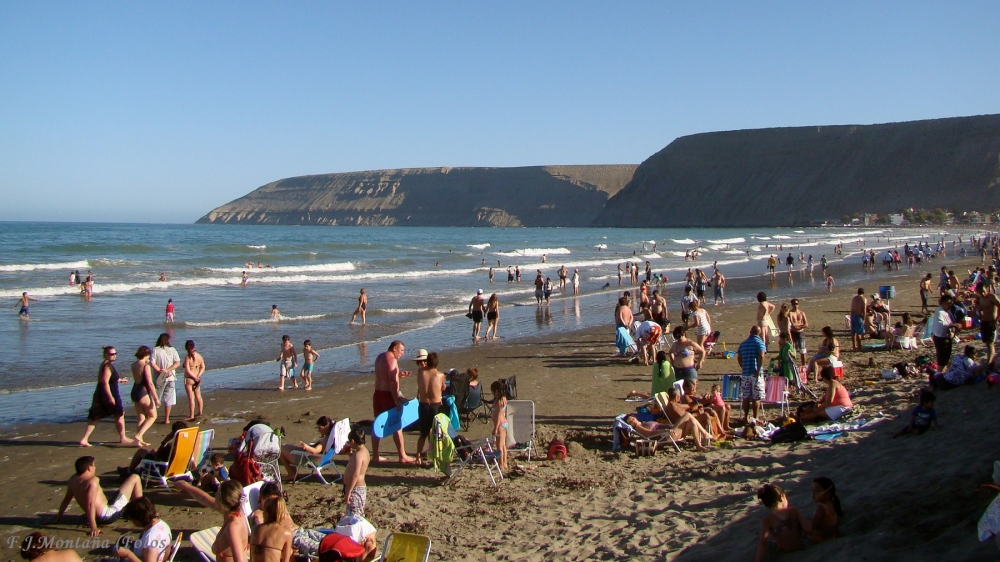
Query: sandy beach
(915, 497)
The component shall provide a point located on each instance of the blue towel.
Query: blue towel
(449, 401)
(623, 340)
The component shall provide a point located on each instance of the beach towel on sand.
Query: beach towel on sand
(623, 340)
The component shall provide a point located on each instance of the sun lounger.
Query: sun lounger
(202, 543)
(315, 464)
(406, 547)
(202, 450)
(620, 428)
(180, 456)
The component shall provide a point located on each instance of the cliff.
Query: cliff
(793, 176)
(527, 196)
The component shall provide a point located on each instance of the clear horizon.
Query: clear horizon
(159, 113)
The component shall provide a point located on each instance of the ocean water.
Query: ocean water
(418, 280)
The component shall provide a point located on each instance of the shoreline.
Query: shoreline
(29, 406)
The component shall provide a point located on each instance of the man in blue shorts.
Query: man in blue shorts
(858, 310)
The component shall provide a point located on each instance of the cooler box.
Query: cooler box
(965, 324)
(887, 291)
(838, 367)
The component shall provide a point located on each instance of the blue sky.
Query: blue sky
(158, 112)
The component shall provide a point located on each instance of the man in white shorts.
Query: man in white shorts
(163, 362)
(85, 487)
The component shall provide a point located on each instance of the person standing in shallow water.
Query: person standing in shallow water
(362, 307)
(476, 308)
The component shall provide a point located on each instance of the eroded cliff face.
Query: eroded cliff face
(788, 176)
(528, 196)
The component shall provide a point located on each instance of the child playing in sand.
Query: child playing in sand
(829, 283)
(214, 477)
(922, 417)
(826, 521)
(500, 421)
(783, 527)
(309, 356)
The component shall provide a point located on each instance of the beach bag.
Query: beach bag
(336, 547)
(245, 470)
(790, 433)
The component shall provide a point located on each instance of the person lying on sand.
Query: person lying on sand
(85, 487)
(685, 427)
(782, 528)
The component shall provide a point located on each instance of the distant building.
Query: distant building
(896, 219)
(869, 219)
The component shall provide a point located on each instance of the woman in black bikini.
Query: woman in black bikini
(271, 542)
(362, 307)
(143, 394)
(492, 315)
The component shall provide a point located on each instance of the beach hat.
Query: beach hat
(479, 291)
(421, 355)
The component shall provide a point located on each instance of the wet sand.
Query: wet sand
(913, 497)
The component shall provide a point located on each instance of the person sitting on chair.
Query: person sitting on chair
(324, 425)
(685, 427)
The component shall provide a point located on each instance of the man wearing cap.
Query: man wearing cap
(430, 386)
(387, 395)
(476, 308)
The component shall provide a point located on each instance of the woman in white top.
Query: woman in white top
(153, 545)
(701, 322)
(165, 360)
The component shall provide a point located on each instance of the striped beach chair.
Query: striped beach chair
(776, 392)
(731, 387)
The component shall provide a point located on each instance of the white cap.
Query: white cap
(479, 292)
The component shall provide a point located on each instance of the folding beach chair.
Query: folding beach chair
(475, 407)
(776, 392)
(265, 448)
(202, 449)
(406, 547)
(202, 543)
(180, 456)
(621, 429)
(463, 394)
(176, 547)
(521, 426)
(479, 451)
(732, 386)
(710, 341)
(315, 464)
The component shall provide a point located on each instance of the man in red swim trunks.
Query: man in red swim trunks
(387, 395)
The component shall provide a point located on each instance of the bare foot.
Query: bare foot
(281, 388)
(408, 460)
(140, 443)
(166, 422)
(380, 460)
(190, 419)
(126, 441)
(85, 444)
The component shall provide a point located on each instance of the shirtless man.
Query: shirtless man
(623, 314)
(658, 306)
(562, 278)
(287, 359)
(23, 303)
(987, 305)
(388, 396)
(858, 310)
(85, 488)
(430, 386)
(355, 489)
(362, 307)
(764, 310)
(797, 324)
(685, 355)
(719, 287)
(476, 308)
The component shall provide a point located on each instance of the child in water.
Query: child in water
(309, 356)
(829, 283)
(500, 421)
(783, 527)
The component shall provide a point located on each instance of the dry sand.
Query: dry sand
(913, 497)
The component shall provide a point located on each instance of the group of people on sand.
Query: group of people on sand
(148, 392)
(785, 528)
